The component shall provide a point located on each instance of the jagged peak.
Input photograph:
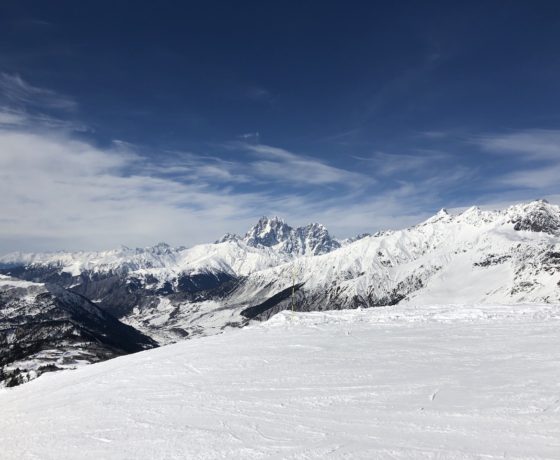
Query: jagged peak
(539, 203)
(472, 210)
(315, 225)
(312, 238)
(540, 206)
(475, 216)
(273, 219)
(312, 227)
(160, 248)
(266, 223)
(535, 216)
(441, 215)
(229, 237)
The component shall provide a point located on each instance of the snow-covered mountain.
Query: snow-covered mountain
(45, 328)
(160, 289)
(269, 243)
(475, 256)
(313, 239)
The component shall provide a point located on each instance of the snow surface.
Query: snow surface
(438, 382)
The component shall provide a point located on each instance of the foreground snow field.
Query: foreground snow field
(446, 382)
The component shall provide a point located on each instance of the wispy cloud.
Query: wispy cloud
(193, 167)
(424, 162)
(542, 179)
(29, 107)
(260, 165)
(537, 153)
(281, 165)
(23, 119)
(536, 144)
(9, 117)
(69, 193)
(253, 137)
(16, 90)
(59, 192)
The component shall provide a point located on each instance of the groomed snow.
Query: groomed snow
(446, 382)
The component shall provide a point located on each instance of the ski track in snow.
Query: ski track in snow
(446, 382)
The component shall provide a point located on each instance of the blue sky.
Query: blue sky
(132, 123)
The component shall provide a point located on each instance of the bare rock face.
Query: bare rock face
(268, 232)
(538, 216)
(312, 239)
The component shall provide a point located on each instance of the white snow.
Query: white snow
(436, 382)
(166, 263)
(203, 318)
(445, 253)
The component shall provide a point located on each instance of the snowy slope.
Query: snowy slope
(440, 382)
(476, 256)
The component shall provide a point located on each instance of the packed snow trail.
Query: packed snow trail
(448, 382)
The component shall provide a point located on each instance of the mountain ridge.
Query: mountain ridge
(46, 327)
(478, 256)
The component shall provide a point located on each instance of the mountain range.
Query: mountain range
(161, 294)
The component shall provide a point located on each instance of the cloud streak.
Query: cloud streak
(69, 193)
(21, 93)
(536, 144)
(538, 151)
(280, 165)
(61, 192)
(389, 164)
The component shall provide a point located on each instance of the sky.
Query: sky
(133, 122)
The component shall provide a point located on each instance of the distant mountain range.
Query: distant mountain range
(167, 294)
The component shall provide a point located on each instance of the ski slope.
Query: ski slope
(441, 382)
